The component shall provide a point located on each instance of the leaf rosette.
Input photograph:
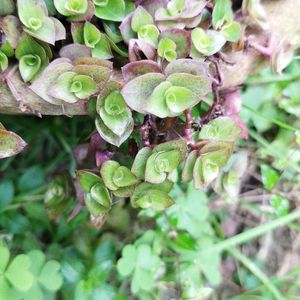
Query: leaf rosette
(114, 121)
(67, 81)
(167, 95)
(37, 23)
(96, 196)
(33, 57)
(119, 179)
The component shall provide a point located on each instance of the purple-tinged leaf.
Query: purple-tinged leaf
(47, 78)
(12, 29)
(188, 66)
(139, 49)
(60, 30)
(137, 91)
(138, 68)
(152, 5)
(10, 143)
(182, 39)
(126, 30)
(74, 51)
(103, 156)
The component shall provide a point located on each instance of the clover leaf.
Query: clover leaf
(15, 275)
(140, 262)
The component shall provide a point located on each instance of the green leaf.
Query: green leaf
(113, 32)
(280, 205)
(7, 7)
(107, 171)
(154, 199)
(83, 86)
(87, 180)
(207, 42)
(187, 172)
(10, 143)
(95, 209)
(221, 129)
(7, 192)
(29, 66)
(102, 48)
(127, 263)
(30, 14)
(179, 145)
(222, 11)
(167, 49)
(111, 137)
(178, 99)
(139, 165)
(71, 7)
(111, 10)
(138, 90)
(4, 259)
(123, 177)
(269, 177)
(232, 31)
(140, 18)
(149, 33)
(91, 34)
(18, 272)
(61, 88)
(3, 62)
(101, 195)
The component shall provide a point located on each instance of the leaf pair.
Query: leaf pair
(167, 96)
(119, 179)
(37, 23)
(64, 81)
(114, 121)
(71, 8)
(33, 57)
(96, 196)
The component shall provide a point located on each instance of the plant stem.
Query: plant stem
(257, 272)
(254, 232)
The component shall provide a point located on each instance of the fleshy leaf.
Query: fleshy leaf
(91, 34)
(112, 31)
(102, 48)
(61, 88)
(111, 10)
(182, 39)
(220, 129)
(149, 33)
(140, 18)
(207, 42)
(7, 7)
(222, 11)
(178, 99)
(231, 31)
(10, 143)
(87, 180)
(123, 177)
(139, 48)
(109, 136)
(29, 66)
(75, 51)
(95, 208)
(83, 86)
(139, 165)
(187, 172)
(137, 91)
(154, 199)
(167, 49)
(3, 62)
(138, 68)
(179, 145)
(107, 173)
(101, 195)
(71, 7)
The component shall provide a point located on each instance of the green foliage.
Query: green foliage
(28, 275)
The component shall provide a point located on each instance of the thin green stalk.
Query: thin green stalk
(272, 120)
(257, 272)
(254, 232)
